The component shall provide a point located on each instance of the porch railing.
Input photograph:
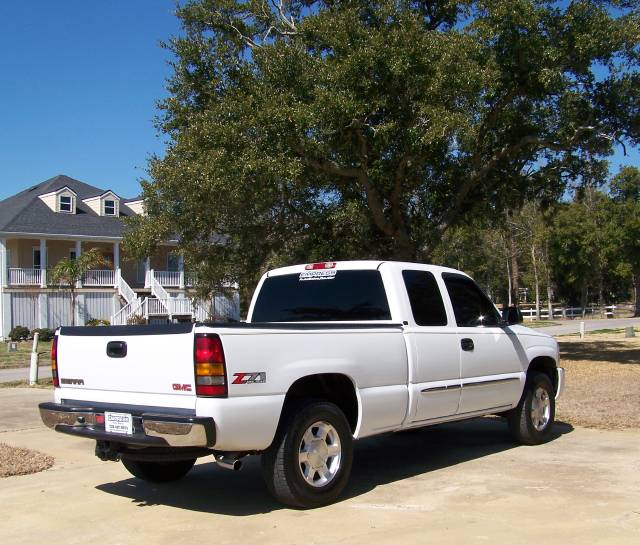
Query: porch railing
(99, 278)
(25, 277)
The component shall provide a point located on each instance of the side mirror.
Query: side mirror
(512, 315)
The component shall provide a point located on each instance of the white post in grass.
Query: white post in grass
(33, 369)
(582, 330)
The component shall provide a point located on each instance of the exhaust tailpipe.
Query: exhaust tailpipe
(227, 462)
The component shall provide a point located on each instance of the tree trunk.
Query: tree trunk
(72, 301)
(405, 250)
(636, 295)
(515, 270)
(509, 283)
(601, 294)
(583, 299)
(534, 263)
(547, 273)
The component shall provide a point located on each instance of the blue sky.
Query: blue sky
(79, 81)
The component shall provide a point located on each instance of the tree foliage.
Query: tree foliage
(68, 272)
(302, 130)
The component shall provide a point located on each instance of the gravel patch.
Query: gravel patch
(22, 461)
(602, 381)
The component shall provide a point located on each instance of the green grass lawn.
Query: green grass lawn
(22, 357)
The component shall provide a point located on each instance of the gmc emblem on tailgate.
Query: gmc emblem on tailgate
(249, 378)
(182, 387)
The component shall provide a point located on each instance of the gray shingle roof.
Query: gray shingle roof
(24, 212)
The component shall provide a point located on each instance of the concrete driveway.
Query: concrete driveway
(461, 483)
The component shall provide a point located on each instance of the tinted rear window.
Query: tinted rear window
(425, 299)
(347, 296)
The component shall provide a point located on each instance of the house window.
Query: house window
(72, 255)
(109, 207)
(65, 203)
(173, 263)
(36, 258)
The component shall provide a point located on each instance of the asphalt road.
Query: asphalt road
(573, 326)
(450, 484)
(22, 373)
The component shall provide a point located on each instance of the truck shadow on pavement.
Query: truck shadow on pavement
(377, 461)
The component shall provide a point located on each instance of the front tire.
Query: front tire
(309, 462)
(159, 472)
(531, 422)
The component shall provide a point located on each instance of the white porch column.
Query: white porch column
(116, 260)
(147, 269)
(4, 266)
(116, 255)
(4, 327)
(43, 310)
(78, 254)
(181, 270)
(43, 263)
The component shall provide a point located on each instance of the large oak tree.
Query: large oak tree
(301, 130)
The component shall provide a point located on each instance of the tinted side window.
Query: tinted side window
(347, 296)
(424, 295)
(470, 305)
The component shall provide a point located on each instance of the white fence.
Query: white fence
(569, 312)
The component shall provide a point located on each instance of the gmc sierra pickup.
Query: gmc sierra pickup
(330, 353)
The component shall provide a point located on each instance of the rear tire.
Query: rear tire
(158, 472)
(531, 422)
(309, 461)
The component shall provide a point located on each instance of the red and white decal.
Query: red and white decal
(249, 378)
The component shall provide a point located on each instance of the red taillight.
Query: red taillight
(54, 362)
(321, 266)
(209, 366)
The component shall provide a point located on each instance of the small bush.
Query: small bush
(137, 320)
(46, 334)
(19, 333)
(95, 322)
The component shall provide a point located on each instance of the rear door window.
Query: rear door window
(330, 296)
(425, 298)
(472, 308)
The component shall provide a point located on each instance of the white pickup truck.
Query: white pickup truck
(330, 353)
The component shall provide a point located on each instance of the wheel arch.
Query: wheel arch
(545, 365)
(336, 388)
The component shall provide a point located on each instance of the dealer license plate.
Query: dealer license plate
(118, 423)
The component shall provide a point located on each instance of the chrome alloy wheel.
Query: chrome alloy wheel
(540, 409)
(320, 454)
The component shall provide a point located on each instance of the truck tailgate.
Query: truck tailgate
(136, 359)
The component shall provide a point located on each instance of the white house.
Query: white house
(61, 218)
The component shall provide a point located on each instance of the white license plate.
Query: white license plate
(118, 423)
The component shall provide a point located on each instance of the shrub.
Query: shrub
(137, 320)
(19, 333)
(95, 322)
(46, 334)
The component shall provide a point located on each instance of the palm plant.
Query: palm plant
(69, 272)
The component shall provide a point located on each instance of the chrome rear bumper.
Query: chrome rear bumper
(149, 429)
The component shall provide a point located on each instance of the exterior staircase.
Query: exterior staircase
(161, 305)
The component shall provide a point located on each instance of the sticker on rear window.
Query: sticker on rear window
(318, 275)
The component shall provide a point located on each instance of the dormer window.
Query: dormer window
(62, 200)
(109, 207)
(105, 204)
(66, 203)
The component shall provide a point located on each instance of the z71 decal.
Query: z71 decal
(249, 378)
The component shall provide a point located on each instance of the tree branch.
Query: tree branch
(510, 150)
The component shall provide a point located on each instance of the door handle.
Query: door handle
(466, 344)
